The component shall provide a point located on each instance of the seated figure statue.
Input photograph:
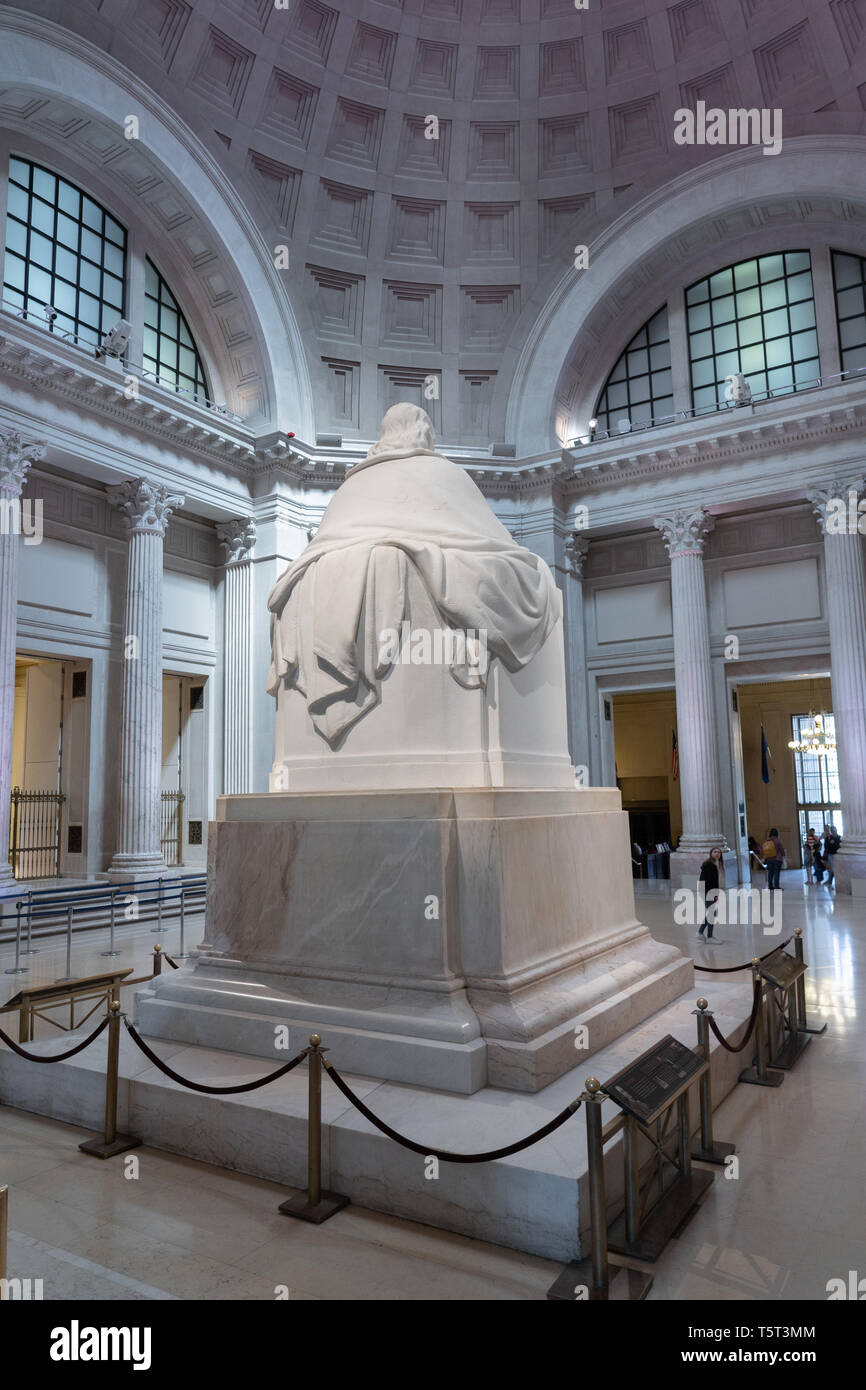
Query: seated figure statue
(407, 543)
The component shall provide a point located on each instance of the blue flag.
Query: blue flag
(765, 757)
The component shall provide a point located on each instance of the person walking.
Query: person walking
(830, 848)
(709, 877)
(812, 857)
(774, 854)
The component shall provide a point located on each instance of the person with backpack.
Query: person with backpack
(831, 849)
(774, 853)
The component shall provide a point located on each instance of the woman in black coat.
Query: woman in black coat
(709, 877)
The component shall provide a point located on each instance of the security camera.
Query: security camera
(50, 312)
(116, 341)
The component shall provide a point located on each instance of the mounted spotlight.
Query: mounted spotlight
(624, 425)
(116, 340)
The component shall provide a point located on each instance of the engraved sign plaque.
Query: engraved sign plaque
(647, 1086)
(782, 970)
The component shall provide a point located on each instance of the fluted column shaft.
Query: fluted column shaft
(146, 509)
(238, 538)
(846, 610)
(697, 739)
(16, 457)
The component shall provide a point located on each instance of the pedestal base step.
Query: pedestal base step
(535, 1201)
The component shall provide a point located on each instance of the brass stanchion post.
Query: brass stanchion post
(316, 1206)
(111, 1142)
(157, 959)
(707, 1149)
(4, 1236)
(591, 1278)
(760, 1074)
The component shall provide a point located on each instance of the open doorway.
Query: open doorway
(50, 733)
(183, 832)
(803, 788)
(647, 774)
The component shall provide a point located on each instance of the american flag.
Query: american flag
(675, 756)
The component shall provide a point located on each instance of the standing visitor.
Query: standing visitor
(709, 877)
(774, 853)
(812, 862)
(830, 850)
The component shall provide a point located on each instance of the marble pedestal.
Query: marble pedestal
(450, 938)
(850, 871)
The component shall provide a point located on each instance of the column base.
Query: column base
(132, 868)
(686, 864)
(849, 866)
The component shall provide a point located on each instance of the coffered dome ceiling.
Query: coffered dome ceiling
(412, 257)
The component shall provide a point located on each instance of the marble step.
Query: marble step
(533, 1201)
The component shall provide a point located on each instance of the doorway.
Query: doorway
(50, 733)
(803, 789)
(183, 831)
(647, 774)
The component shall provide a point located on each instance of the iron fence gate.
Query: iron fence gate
(34, 833)
(171, 831)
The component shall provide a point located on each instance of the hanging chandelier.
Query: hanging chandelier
(814, 738)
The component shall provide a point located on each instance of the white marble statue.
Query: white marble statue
(404, 514)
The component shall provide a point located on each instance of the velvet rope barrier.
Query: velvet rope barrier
(444, 1154)
(756, 1004)
(200, 1086)
(61, 1056)
(733, 969)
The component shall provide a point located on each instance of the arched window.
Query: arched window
(757, 318)
(170, 355)
(849, 279)
(639, 388)
(64, 253)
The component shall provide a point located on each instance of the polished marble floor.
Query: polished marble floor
(793, 1218)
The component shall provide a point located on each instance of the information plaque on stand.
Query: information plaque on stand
(646, 1087)
(650, 1091)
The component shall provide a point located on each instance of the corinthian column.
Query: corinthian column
(238, 538)
(700, 785)
(16, 457)
(146, 508)
(836, 509)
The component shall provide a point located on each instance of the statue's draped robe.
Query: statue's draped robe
(350, 585)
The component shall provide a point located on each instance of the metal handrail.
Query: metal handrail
(184, 889)
(586, 438)
(97, 888)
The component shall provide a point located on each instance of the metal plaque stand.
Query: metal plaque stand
(648, 1091)
(783, 974)
(592, 1279)
(759, 1074)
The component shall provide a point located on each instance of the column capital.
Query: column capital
(145, 506)
(576, 550)
(237, 539)
(685, 531)
(835, 505)
(16, 456)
